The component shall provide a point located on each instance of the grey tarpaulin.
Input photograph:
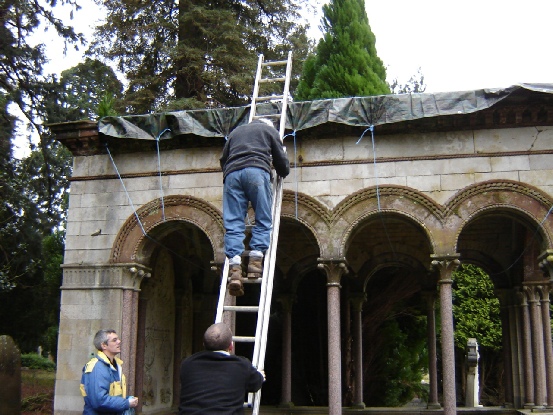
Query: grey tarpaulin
(357, 111)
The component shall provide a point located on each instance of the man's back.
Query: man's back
(216, 383)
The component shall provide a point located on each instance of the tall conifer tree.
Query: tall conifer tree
(195, 53)
(345, 63)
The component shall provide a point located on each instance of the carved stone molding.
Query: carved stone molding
(126, 276)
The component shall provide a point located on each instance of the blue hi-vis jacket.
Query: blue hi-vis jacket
(103, 387)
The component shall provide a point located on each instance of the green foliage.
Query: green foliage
(414, 85)
(36, 361)
(404, 361)
(475, 309)
(194, 53)
(345, 63)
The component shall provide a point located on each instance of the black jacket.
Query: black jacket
(254, 145)
(216, 383)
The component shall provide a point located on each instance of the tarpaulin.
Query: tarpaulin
(356, 111)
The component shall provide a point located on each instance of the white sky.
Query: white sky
(459, 45)
(464, 45)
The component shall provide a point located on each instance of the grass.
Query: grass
(37, 391)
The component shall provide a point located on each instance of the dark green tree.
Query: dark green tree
(345, 63)
(193, 53)
(476, 314)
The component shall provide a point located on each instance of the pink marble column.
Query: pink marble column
(537, 345)
(546, 264)
(334, 270)
(505, 302)
(286, 396)
(357, 300)
(430, 297)
(446, 265)
(527, 352)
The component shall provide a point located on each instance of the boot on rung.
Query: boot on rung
(235, 285)
(255, 267)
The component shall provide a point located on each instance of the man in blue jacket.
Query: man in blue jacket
(248, 155)
(215, 381)
(103, 383)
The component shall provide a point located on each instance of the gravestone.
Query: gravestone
(10, 377)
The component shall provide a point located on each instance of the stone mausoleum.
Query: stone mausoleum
(387, 196)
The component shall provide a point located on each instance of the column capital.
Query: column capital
(445, 265)
(545, 262)
(287, 301)
(334, 268)
(357, 299)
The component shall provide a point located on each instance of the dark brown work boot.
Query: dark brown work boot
(235, 286)
(255, 267)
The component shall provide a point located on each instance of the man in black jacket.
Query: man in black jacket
(246, 162)
(215, 381)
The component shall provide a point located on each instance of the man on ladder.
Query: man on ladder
(246, 164)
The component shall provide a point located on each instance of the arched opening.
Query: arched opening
(176, 304)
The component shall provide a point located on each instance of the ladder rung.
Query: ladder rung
(255, 117)
(252, 280)
(244, 339)
(267, 80)
(274, 63)
(268, 98)
(243, 308)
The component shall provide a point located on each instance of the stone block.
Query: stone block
(500, 175)
(313, 151)
(424, 144)
(504, 140)
(424, 183)
(456, 182)
(544, 140)
(540, 161)
(315, 188)
(345, 187)
(510, 164)
(385, 181)
(537, 177)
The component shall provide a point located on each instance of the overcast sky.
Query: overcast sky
(459, 45)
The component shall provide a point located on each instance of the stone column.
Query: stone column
(287, 302)
(357, 300)
(546, 264)
(504, 303)
(537, 344)
(430, 297)
(527, 352)
(334, 270)
(446, 265)
(517, 360)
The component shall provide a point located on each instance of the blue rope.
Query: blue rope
(127, 193)
(371, 129)
(159, 170)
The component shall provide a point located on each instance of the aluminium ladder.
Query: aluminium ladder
(226, 302)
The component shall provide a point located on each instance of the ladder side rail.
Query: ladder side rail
(256, 87)
(285, 95)
(222, 292)
(268, 279)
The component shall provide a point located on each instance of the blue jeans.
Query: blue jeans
(253, 185)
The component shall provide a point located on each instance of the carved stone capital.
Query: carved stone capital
(445, 265)
(357, 299)
(545, 262)
(334, 269)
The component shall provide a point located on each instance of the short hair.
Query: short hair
(218, 336)
(266, 121)
(101, 337)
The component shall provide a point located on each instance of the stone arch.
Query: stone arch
(310, 213)
(133, 245)
(357, 208)
(520, 200)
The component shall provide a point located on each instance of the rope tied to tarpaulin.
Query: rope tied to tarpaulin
(293, 134)
(126, 192)
(371, 129)
(159, 171)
